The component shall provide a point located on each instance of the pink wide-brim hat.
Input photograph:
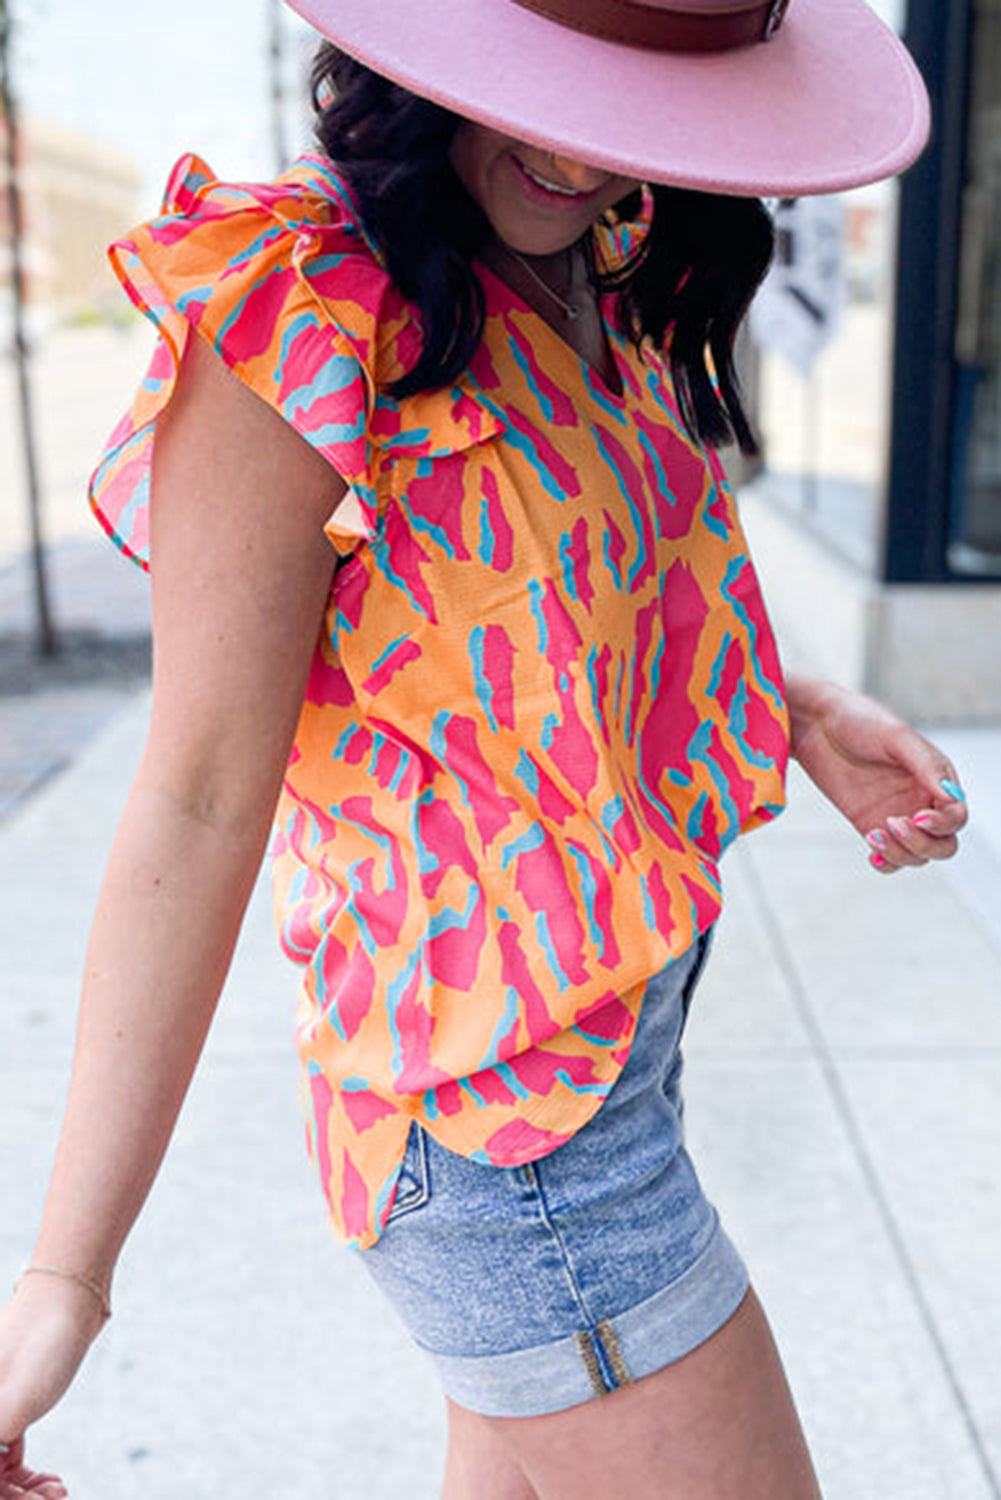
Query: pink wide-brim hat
(776, 99)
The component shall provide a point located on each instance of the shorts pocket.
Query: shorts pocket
(413, 1186)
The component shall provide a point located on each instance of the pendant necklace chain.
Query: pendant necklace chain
(571, 310)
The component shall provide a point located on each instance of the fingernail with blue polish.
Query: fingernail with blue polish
(951, 789)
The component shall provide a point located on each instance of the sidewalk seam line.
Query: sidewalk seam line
(853, 1129)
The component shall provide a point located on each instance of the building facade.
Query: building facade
(877, 512)
(77, 195)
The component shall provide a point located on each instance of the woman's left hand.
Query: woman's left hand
(894, 786)
(17, 1480)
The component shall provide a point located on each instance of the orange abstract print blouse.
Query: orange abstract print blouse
(544, 699)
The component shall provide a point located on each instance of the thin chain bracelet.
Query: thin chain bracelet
(89, 1282)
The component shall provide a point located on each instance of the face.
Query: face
(537, 203)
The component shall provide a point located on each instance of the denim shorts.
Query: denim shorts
(535, 1288)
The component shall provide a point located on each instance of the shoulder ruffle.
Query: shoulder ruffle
(282, 282)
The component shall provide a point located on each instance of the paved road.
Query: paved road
(81, 380)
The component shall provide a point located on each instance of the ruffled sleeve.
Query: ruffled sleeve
(281, 282)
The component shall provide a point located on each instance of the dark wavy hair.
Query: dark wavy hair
(685, 289)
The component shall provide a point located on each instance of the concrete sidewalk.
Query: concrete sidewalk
(844, 1104)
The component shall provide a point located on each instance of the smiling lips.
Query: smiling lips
(542, 189)
(551, 187)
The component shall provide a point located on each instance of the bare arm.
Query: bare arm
(241, 571)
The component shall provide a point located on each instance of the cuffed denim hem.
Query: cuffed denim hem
(613, 1353)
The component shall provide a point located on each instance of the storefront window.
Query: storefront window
(824, 399)
(976, 498)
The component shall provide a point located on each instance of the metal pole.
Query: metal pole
(276, 61)
(45, 636)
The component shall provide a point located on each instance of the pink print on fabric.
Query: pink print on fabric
(518, 1142)
(365, 1109)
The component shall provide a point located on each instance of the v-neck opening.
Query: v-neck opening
(587, 371)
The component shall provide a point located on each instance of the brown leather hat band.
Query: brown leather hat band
(650, 26)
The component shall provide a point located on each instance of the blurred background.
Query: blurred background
(849, 1046)
(877, 369)
(102, 102)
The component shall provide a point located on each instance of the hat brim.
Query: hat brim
(832, 102)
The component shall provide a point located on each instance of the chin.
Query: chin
(537, 248)
(537, 238)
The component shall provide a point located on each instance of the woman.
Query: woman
(510, 718)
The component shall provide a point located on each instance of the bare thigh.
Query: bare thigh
(479, 1464)
(717, 1425)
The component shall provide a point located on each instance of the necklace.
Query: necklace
(571, 310)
